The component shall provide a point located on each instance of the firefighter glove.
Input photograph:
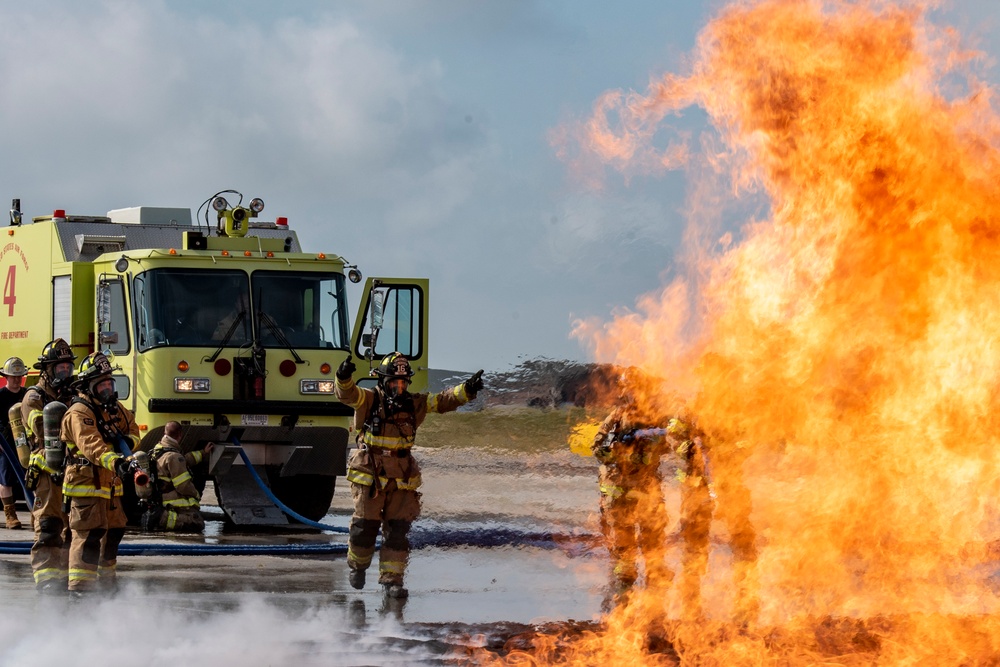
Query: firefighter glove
(685, 449)
(474, 384)
(122, 467)
(677, 428)
(346, 370)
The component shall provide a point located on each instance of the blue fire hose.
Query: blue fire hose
(274, 499)
(439, 536)
(15, 463)
(167, 549)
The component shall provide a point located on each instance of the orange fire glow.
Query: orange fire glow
(844, 353)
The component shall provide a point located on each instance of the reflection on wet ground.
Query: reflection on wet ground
(505, 543)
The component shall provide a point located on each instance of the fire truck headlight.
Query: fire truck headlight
(220, 204)
(192, 385)
(256, 204)
(316, 387)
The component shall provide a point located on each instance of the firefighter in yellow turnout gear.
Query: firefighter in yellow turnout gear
(383, 473)
(179, 499)
(94, 428)
(50, 550)
(633, 511)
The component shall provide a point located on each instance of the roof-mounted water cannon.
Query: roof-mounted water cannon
(15, 213)
(235, 221)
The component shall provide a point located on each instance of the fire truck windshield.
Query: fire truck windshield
(308, 309)
(211, 308)
(190, 307)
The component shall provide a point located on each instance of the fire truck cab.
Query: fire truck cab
(225, 326)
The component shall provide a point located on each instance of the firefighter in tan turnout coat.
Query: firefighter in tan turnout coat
(383, 473)
(179, 499)
(50, 551)
(94, 429)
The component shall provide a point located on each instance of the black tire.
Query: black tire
(308, 495)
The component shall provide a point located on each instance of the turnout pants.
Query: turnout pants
(634, 522)
(50, 551)
(98, 526)
(182, 521)
(391, 509)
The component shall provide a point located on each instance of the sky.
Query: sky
(412, 137)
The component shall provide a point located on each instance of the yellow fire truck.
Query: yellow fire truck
(220, 322)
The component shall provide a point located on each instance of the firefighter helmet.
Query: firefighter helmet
(54, 352)
(393, 366)
(95, 369)
(14, 367)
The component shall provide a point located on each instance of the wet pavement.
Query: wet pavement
(505, 542)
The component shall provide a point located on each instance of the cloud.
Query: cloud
(148, 96)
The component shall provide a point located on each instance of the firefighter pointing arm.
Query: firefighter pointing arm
(383, 473)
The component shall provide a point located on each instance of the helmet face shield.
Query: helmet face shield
(60, 372)
(396, 386)
(103, 390)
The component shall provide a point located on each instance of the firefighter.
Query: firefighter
(176, 502)
(13, 372)
(632, 507)
(383, 473)
(97, 429)
(50, 551)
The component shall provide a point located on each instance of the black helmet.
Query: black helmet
(94, 369)
(394, 366)
(56, 352)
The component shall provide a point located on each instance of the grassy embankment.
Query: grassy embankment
(510, 428)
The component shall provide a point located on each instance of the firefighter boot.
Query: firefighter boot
(396, 591)
(356, 578)
(11, 514)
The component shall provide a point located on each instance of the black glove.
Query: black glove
(123, 467)
(346, 370)
(474, 384)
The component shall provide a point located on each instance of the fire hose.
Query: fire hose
(274, 499)
(436, 535)
(15, 464)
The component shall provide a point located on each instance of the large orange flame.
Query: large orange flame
(846, 344)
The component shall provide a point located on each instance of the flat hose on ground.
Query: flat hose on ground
(437, 536)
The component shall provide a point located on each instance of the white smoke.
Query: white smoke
(157, 630)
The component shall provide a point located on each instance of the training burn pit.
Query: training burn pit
(838, 349)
